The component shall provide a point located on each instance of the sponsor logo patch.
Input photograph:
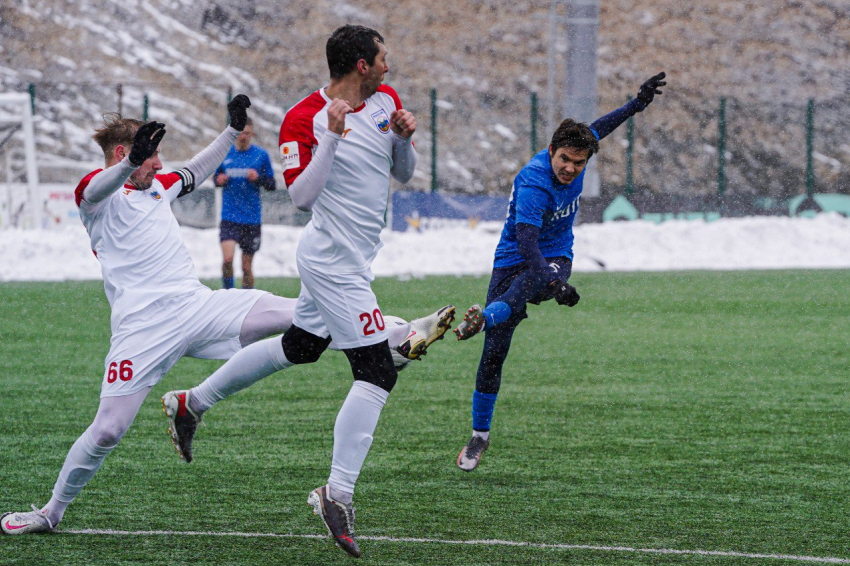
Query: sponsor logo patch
(381, 120)
(289, 158)
(155, 195)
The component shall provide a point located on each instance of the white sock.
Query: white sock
(248, 366)
(353, 431)
(81, 464)
(341, 496)
(395, 334)
(483, 434)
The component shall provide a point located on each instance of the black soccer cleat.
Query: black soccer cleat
(338, 518)
(182, 420)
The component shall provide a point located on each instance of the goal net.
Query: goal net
(19, 205)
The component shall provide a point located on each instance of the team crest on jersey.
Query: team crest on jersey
(382, 120)
(155, 195)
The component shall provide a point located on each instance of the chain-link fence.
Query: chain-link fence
(483, 138)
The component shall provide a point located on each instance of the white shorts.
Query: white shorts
(341, 306)
(204, 324)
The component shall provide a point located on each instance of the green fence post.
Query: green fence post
(630, 154)
(721, 148)
(533, 124)
(810, 139)
(433, 140)
(229, 98)
(145, 108)
(32, 97)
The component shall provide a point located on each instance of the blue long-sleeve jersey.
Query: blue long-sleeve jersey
(241, 197)
(538, 199)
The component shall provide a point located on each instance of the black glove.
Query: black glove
(566, 294)
(145, 142)
(238, 110)
(649, 89)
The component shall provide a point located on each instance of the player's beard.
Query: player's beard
(369, 87)
(144, 182)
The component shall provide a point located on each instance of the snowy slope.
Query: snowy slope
(767, 58)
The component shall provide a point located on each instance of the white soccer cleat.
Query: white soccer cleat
(34, 521)
(399, 361)
(425, 331)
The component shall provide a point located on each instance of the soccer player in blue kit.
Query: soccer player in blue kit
(245, 170)
(534, 256)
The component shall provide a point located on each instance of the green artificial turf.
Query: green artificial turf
(685, 411)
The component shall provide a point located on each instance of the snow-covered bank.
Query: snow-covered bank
(746, 243)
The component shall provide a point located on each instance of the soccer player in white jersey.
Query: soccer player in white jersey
(160, 310)
(339, 146)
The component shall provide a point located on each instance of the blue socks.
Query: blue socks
(227, 282)
(482, 410)
(496, 312)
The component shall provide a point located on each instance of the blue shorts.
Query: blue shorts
(246, 235)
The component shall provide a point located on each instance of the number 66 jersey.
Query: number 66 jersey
(138, 243)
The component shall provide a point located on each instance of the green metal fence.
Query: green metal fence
(651, 155)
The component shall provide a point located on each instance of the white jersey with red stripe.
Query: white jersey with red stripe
(348, 215)
(139, 244)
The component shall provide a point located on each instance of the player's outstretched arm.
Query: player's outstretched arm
(207, 161)
(403, 124)
(105, 183)
(646, 94)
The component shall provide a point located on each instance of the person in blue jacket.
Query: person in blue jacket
(534, 257)
(246, 169)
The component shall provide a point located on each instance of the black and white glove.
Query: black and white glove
(649, 89)
(566, 294)
(238, 110)
(145, 142)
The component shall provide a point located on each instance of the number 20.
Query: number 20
(375, 318)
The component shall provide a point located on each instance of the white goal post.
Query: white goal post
(16, 122)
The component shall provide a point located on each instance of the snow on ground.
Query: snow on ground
(727, 244)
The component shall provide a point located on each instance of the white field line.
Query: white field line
(592, 547)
